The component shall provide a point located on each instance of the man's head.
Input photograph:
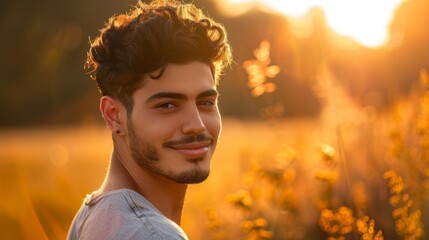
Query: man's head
(157, 68)
(149, 38)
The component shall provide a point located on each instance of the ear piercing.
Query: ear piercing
(118, 131)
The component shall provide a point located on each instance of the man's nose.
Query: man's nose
(193, 123)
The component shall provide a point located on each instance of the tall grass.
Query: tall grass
(356, 188)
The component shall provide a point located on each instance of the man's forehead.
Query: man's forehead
(189, 80)
(178, 73)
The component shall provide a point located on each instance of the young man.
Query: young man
(157, 68)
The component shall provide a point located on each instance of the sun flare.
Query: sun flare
(365, 21)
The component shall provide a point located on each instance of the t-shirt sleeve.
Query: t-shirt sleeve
(131, 228)
(125, 221)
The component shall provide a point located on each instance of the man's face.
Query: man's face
(175, 123)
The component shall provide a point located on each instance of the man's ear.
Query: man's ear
(112, 111)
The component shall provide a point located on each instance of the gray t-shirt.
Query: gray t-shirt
(122, 214)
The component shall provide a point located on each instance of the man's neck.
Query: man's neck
(166, 195)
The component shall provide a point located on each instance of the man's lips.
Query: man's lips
(193, 149)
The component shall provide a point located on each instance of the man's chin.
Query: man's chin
(191, 177)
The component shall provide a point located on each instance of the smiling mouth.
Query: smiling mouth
(194, 150)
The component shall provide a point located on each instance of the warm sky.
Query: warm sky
(365, 21)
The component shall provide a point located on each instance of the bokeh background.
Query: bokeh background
(324, 100)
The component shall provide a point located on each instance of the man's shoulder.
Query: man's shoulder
(118, 204)
(123, 214)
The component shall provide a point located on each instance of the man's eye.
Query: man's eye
(208, 103)
(166, 105)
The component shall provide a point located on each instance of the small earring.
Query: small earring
(118, 131)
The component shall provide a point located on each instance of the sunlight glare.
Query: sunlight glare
(365, 21)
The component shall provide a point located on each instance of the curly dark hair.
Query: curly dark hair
(150, 37)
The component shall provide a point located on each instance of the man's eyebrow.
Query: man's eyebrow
(208, 93)
(180, 96)
(166, 95)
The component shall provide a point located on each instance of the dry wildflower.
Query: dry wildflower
(285, 156)
(274, 175)
(277, 176)
(265, 234)
(326, 218)
(336, 224)
(213, 222)
(366, 229)
(395, 182)
(259, 71)
(275, 181)
(346, 219)
(241, 199)
(247, 225)
(422, 126)
(327, 176)
(269, 202)
(328, 153)
(365, 226)
(260, 223)
(256, 229)
(214, 225)
(408, 223)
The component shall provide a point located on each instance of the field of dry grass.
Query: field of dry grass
(290, 171)
(352, 173)
(46, 172)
